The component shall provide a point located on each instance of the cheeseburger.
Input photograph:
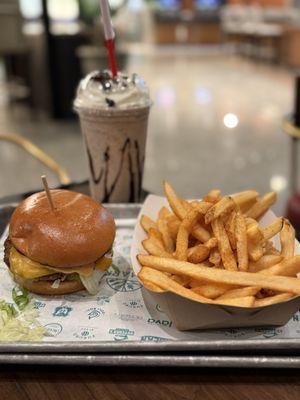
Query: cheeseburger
(59, 251)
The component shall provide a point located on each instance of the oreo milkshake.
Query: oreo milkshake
(113, 115)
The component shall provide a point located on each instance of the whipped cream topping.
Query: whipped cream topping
(100, 90)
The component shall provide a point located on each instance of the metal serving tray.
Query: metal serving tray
(244, 353)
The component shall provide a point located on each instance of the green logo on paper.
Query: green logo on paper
(121, 333)
(123, 281)
(62, 311)
(53, 329)
(39, 304)
(95, 312)
(128, 317)
(102, 300)
(269, 333)
(84, 333)
(155, 339)
(234, 332)
(133, 304)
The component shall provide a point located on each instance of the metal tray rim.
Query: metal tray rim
(253, 345)
(206, 361)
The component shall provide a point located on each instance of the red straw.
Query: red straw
(111, 57)
(109, 35)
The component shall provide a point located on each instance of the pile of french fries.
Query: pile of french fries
(214, 250)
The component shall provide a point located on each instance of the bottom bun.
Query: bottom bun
(44, 287)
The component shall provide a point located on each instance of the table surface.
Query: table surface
(89, 383)
(75, 383)
(82, 187)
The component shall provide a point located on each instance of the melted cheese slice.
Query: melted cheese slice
(29, 269)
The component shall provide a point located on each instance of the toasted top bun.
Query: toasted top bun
(77, 232)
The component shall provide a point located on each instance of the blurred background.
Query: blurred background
(221, 75)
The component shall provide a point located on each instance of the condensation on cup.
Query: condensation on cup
(113, 117)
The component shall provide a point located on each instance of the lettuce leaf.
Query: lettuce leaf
(18, 321)
(20, 297)
(92, 282)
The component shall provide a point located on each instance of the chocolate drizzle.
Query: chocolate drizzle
(139, 169)
(96, 179)
(131, 179)
(134, 187)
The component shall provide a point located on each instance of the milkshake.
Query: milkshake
(113, 115)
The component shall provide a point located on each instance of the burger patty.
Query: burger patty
(7, 247)
(52, 277)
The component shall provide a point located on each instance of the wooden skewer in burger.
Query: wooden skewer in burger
(59, 242)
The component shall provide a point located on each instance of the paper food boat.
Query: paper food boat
(187, 314)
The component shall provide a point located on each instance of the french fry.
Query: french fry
(197, 254)
(241, 242)
(162, 226)
(164, 213)
(195, 283)
(226, 253)
(182, 280)
(246, 206)
(200, 252)
(239, 278)
(241, 292)
(230, 229)
(262, 206)
(212, 243)
(254, 233)
(173, 226)
(247, 301)
(210, 290)
(267, 301)
(245, 200)
(269, 248)
(201, 233)
(287, 239)
(151, 286)
(255, 250)
(147, 223)
(215, 257)
(157, 236)
(172, 218)
(174, 201)
(185, 228)
(187, 206)
(159, 279)
(221, 208)
(179, 210)
(287, 267)
(151, 246)
(249, 221)
(201, 206)
(213, 196)
(264, 262)
(272, 229)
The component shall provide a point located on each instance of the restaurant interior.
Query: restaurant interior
(221, 76)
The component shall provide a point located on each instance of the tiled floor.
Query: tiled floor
(188, 143)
